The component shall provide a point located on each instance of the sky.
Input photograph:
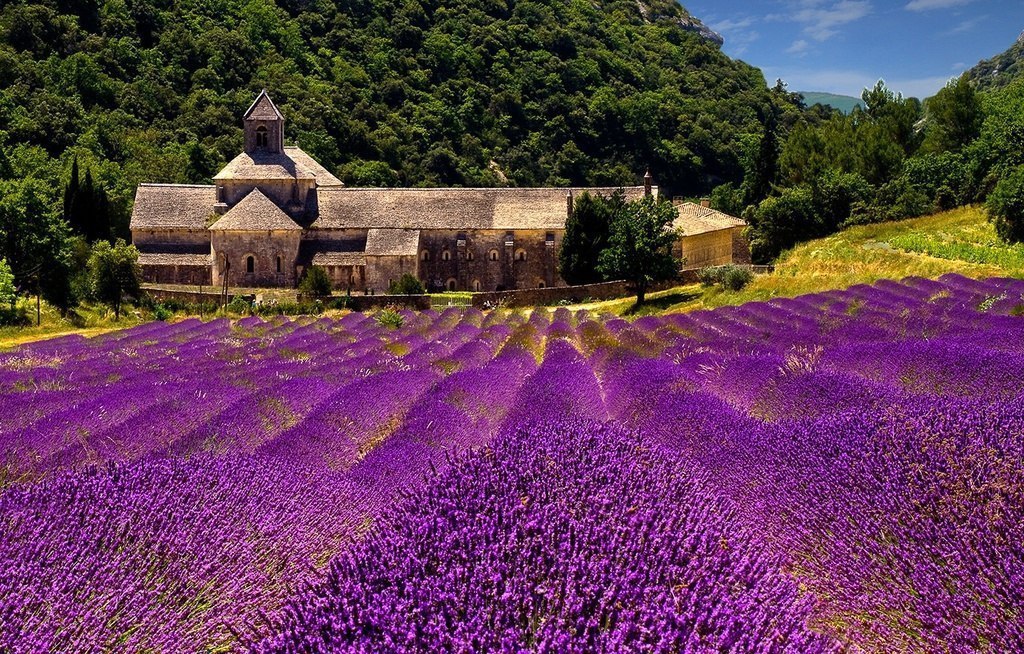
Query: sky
(844, 46)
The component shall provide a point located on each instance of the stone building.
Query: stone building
(273, 212)
(709, 237)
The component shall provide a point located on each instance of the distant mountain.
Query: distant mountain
(1002, 69)
(844, 103)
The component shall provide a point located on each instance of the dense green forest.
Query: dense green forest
(382, 92)
(895, 158)
(99, 95)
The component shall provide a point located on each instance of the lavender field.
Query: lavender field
(840, 472)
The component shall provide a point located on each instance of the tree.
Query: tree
(8, 292)
(315, 283)
(586, 235)
(1006, 206)
(407, 285)
(86, 206)
(115, 273)
(640, 245)
(955, 116)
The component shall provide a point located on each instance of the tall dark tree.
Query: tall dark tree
(586, 235)
(764, 168)
(87, 206)
(955, 117)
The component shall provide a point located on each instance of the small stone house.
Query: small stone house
(709, 237)
(273, 211)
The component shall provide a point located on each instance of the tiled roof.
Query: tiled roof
(449, 208)
(339, 259)
(256, 212)
(696, 219)
(264, 166)
(293, 163)
(262, 108)
(394, 242)
(173, 206)
(168, 259)
(323, 176)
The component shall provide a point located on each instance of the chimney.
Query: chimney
(647, 183)
(568, 205)
(705, 202)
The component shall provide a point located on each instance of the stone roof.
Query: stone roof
(262, 108)
(339, 259)
(696, 219)
(170, 259)
(323, 176)
(450, 208)
(255, 213)
(263, 165)
(392, 242)
(172, 206)
(293, 163)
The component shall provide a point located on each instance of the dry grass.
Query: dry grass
(859, 255)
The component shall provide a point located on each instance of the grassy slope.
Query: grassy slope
(960, 241)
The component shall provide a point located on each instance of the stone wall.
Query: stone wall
(489, 260)
(573, 294)
(286, 193)
(384, 269)
(265, 248)
(177, 274)
(707, 249)
(740, 246)
(176, 241)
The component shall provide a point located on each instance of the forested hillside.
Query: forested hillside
(1002, 69)
(388, 92)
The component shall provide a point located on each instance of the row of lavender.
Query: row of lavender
(839, 468)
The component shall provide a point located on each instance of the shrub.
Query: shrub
(1006, 206)
(735, 278)
(709, 276)
(407, 285)
(240, 304)
(315, 283)
(389, 317)
(161, 312)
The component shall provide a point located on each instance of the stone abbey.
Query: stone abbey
(273, 212)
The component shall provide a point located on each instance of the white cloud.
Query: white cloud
(736, 32)
(799, 47)
(964, 26)
(822, 20)
(927, 5)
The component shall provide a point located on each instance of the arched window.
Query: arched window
(261, 137)
(279, 264)
(520, 255)
(446, 256)
(425, 255)
(493, 255)
(469, 255)
(450, 285)
(250, 264)
(541, 285)
(476, 285)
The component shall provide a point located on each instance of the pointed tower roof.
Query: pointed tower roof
(255, 213)
(263, 108)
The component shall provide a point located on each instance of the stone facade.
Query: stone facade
(708, 237)
(273, 212)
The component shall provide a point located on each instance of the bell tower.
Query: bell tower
(264, 127)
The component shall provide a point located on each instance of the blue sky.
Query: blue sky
(842, 46)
